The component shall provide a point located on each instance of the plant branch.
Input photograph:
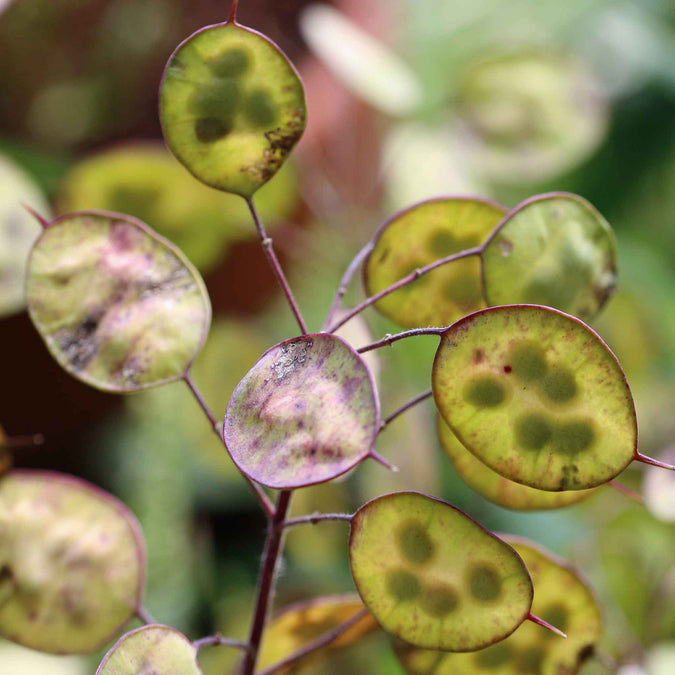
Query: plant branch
(218, 639)
(276, 266)
(321, 642)
(620, 487)
(388, 339)
(232, 18)
(347, 277)
(406, 406)
(416, 274)
(145, 616)
(273, 546)
(315, 518)
(263, 499)
(22, 441)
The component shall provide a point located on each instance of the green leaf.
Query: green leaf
(300, 624)
(433, 577)
(72, 563)
(305, 413)
(232, 107)
(537, 396)
(418, 236)
(18, 231)
(556, 250)
(151, 649)
(147, 182)
(119, 307)
(496, 488)
(561, 597)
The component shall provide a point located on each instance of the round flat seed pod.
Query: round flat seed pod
(231, 106)
(146, 181)
(151, 649)
(72, 563)
(537, 396)
(425, 588)
(555, 250)
(417, 237)
(119, 307)
(305, 413)
(496, 488)
(18, 230)
(528, 116)
(302, 623)
(561, 597)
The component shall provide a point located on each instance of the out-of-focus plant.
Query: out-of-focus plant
(534, 408)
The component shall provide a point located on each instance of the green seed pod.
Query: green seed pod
(231, 106)
(427, 589)
(417, 237)
(151, 649)
(72, 563)
(119, 307)
(537, 396)
(555, 250)
(496, 488)
(562, 597)
(304, 414)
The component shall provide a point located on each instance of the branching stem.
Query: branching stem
(315, 518)
(218, 639)
(276, 266)
(262, 498)
(145, 616)
(390, 339)
(321, 642)
(416, 274)
(273, 546)
(347, 277)
(406, 406)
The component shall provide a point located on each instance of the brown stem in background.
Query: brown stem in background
(321, 642)
(276, 266)
(273, 546)
(390, 339)
(416, 274)
(264, 500)
(344, 283)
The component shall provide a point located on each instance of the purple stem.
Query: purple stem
(653, 462)
(232, 18)
(416, 274)
(626, 491)
(406, 406)
(390, 339)
(545, 624)
(273, 546)
(344, 283)
(218, 639)
(315, 518)
(264, 500)
(145, 616)
(321, 642)
(276, 266)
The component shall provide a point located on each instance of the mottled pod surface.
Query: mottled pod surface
(420, 235)
(433, 577)
(555, 250)
(537, 396)
(118, 306)
(305, 413)
(155, 650)
(300, 624)
(232, 107)
(561, 597)
(499, 489)
(72, 563)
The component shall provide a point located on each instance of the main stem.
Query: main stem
(273, 546)
(276, 266)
